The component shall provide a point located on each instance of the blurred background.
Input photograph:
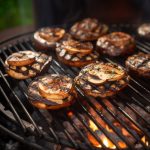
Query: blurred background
(14, 13)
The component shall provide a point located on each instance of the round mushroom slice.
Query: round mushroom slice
(39, 66)
(51, 34)
(46, 38)
(73, 46)
(22, 58)
(101, 79)
(55, 87)
(75, 53)
(116, 44)
(139, 64)
(77, 60)
(42, 105)
(95, 79)
(144, 30)
(100, 73)
(88, 29)
(41, 102)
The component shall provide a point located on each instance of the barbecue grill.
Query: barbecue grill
(119, 122)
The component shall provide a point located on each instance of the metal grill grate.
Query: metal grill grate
(51, 125)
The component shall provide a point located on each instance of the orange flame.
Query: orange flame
(70, 113)
(92, 125)
(104, 139)
(108, 143)
(143, 139)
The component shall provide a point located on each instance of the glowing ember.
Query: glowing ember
(143, 139)
(106, 140)
(108, 143)
(92, 125)
(93, 141)
(70, 113)
(103, 138)
(122, 145)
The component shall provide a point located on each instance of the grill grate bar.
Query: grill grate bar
(138, 114)
(135, 111)
(143, 46)
(63, 127)
(22, 89)
(29, 45)
(71, 72)
(71, 139)
(44, 115)
(146, 43)
(142, 49)
(70, 76)
(109, 124)
(68, 135)
(21, 104)
(54, 135)
(138, 92)
(114, 101)
(140, 105)
(148, 91)
(98, 125)
(122, 123)
(113, 62)
(84, 122)
(139, 141)
(16, 115)
(51, 130)
(21, 45)
(131, 87)
(21, 139)
(63, 142)
(125, 98)
(60, 66)
(107, 121)
(76, 128)
(66, 132)
(89, 129)
(136, 82)
(131, 119)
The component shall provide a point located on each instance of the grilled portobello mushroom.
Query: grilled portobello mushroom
(88, 29)
(75, 53)
(26, 64)
(144, 30)
(139, 64)
(51, 92)
(21, 58)
(116, 44)
(102, 79)
(46, 38)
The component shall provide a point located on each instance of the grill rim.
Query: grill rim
(20, 43)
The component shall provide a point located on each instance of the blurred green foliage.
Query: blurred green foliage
(15, 13)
